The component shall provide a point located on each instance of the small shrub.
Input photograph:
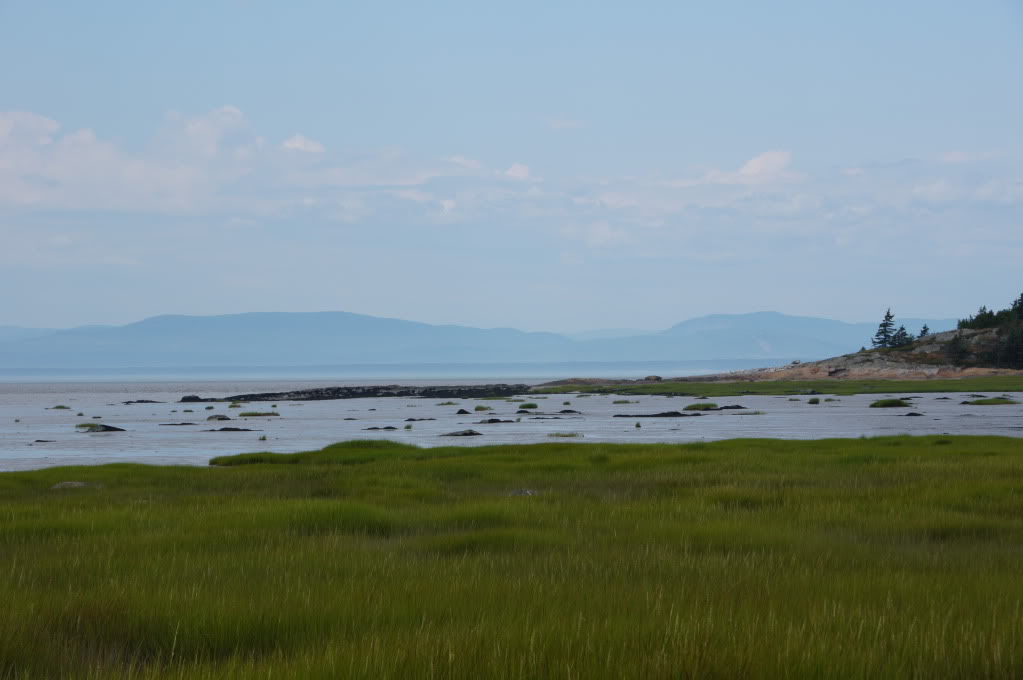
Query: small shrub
(481, 407)
(80, 414)
(235, 405)
(564, 434)
(814, 401)
(408, 427)
(638, 425)
(529, 405)
(262, 437)
(890, 403)
(832, 399)
(448, 403)
(209, 408)
(794, 399)
(705, 406)
(188, 410)
(566, 403)
(257, 414)
(624, 401)
(993, 401)
(60, 407)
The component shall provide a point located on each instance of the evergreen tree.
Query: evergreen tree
(924, 332)
(900, 338)
(883, 337)
(956, 349)
(1010, 353)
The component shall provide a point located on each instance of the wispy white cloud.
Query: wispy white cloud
(302, 143)
(518, 171)
(464, 162)
(969, 156)
(216, 164)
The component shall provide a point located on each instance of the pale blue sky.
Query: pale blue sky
(541, 165)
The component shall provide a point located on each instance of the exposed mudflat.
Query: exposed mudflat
(45, 437)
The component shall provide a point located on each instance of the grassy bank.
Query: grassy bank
(893, 557)
(729, 389)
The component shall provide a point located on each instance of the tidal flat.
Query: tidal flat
(34, 433)
(844, 558)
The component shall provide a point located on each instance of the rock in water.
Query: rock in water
(99, 427)
(463, 433)
(665, 414)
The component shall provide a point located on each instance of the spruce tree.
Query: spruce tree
(924, 332)
(956, 349)
(883, 337)
(901, 338)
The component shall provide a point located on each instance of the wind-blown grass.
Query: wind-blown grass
(892, 557)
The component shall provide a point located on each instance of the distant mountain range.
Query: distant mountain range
(330, 338)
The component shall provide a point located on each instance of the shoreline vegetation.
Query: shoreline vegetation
(374, 559)
(845, 387)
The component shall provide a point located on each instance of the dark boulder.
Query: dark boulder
(664, 414)
(463, 433)
(462, 412)
(99, 427)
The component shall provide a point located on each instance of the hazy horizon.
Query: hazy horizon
(599, 332)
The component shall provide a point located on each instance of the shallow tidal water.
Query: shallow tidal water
(26, 415)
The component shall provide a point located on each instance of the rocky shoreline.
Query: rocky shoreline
(366, 391)
(924, 360)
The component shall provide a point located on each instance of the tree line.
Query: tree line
(1005, 352)
(889, 337)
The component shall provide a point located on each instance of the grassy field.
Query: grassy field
(729, 389)
(892, 557)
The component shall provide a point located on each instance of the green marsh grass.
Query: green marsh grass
(257, 414)
(702, 406)
(992, 401)
(890, 557)
(890, 403)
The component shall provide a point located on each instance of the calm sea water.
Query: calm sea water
(26, 416)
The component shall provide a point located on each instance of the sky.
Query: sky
(556, 166)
